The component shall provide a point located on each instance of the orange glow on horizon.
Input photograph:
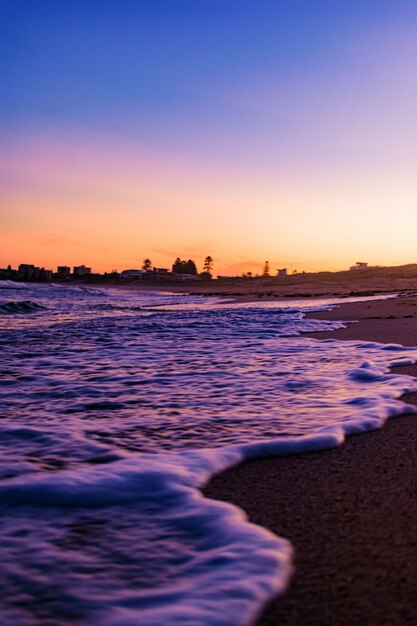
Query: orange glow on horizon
(73, 201)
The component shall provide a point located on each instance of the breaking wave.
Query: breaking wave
(23, 306)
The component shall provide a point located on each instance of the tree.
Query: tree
(178, 266)
(208, 265)
(191, 267)
(184, 267)
(147, 264)
(266, 269)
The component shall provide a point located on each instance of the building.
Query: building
(187, 277)
(8, 273)
(43, 275)
(81, 270)
(26, 271)
(282, 272)
(29, 272)
(360, 265)
(63, 271)
(133, 274)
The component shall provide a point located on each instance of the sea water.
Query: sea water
(116, 408)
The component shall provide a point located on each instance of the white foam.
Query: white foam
(113, 423)
(10, 284)
(230, 563)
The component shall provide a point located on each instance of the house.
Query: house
(133, 274)
(360, 265)
(187, 277)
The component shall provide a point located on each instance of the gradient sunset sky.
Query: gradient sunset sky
(247, 130)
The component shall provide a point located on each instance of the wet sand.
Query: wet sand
(350, 512)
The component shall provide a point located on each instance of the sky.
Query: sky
(248, 131)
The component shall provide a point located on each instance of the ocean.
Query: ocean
(117, 406)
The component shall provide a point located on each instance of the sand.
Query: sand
(350, 512)
(301, 285)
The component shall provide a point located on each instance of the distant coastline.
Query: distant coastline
(367, 282)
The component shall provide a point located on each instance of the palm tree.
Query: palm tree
(147, 264)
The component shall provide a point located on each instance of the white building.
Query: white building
(360, 265)
(132, 273)
(187, 277)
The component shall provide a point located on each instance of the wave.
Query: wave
(112, 428)
(106, 306)
(212, 556)
(23, 306)
(10, 284)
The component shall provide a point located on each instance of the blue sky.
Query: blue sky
(93, 62)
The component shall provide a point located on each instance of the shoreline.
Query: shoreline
(349, 512)
(322, 284)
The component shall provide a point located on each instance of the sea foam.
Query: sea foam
(119, 407)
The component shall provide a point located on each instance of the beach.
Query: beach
(350, 512)
(371, 281)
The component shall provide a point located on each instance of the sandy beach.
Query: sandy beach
(302, 285)
(349, 512)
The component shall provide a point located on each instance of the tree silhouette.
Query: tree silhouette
(184, 267)
(177, 266)
(208, 265)
(147, 264)
(191, 267)
(266, 269)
